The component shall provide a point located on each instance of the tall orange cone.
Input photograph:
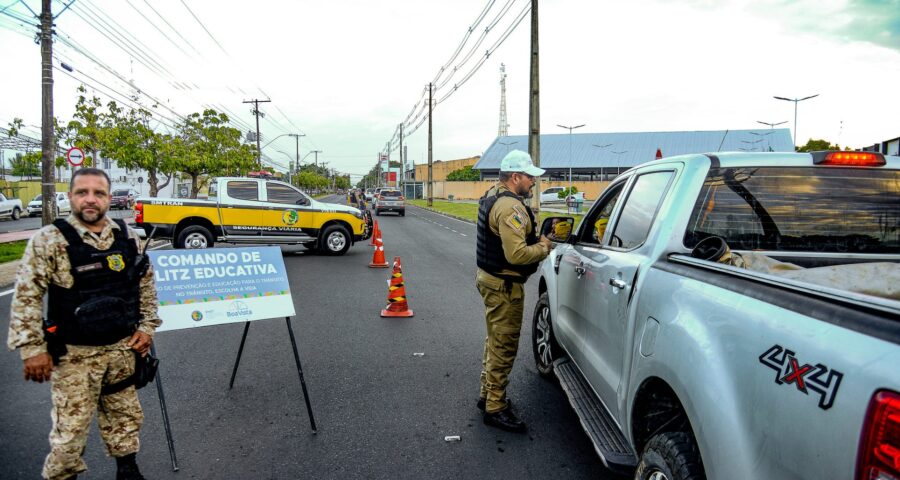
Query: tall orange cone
(375, 232)
(396, 306)
(378, 260)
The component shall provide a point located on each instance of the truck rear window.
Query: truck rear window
(840, 210)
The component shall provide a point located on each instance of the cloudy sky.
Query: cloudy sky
(346, 72)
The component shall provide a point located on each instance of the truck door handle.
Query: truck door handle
(580, 270)
(617, 283)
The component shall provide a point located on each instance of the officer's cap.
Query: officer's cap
(519, 161)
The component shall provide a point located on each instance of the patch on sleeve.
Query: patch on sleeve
(515, 221)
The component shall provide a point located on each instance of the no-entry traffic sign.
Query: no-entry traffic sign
(75, 156)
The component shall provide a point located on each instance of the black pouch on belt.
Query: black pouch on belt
(144, 373)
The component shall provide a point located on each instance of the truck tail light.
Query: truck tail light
(879, 453)
(138, 212)
(849, 159)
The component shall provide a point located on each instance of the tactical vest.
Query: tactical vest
(103, 305)
(489, 248)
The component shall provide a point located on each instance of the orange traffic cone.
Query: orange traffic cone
(396, 306)
(378, 260)
(375, 232)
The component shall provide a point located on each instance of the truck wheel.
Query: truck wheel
(671, 456)
(16, 213)
(335, 240)
(194, 236)
(543, 340)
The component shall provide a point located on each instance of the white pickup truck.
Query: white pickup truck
(10, 208)
(733, 316)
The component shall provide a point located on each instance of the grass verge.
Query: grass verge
(12, 251)
(469, 211)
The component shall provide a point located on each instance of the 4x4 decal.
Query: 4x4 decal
(805, 377)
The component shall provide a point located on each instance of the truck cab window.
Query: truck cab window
(597, 220)
(279, 193)
(640, 208)
(242, 190)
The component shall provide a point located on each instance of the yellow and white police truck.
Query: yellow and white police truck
(253, 211)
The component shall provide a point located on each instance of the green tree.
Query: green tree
(130, 141)
(465, 174)
(208, 147)
(26, 165)
(819, 145)
(87, 129)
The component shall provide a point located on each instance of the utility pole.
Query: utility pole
(400, 151)
(534, 110)
(297, 139)
(256, 112)
(48, 186)
(430, 187)
(316, 157)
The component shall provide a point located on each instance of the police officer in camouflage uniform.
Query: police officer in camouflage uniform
(102, 308)
(508, 251)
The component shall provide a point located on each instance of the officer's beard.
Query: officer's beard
(90, 218)
(525, 193)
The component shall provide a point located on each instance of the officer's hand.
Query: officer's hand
(546, 241)
(140, 342)
(38, 367)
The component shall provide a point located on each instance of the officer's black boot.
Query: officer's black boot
(127, 469)
(505, 419)
(481, 403)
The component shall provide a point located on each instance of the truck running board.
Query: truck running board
(609, 442)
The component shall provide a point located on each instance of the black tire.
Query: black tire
(335, 240)
(194, 236)
(16, 213)
(402, 213)
(670, 456)
(543, 341)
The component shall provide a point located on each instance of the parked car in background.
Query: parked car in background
(389, 200)
(36, 206)
(370, 194)
(551, 195)
(10, 208)
(123, 198)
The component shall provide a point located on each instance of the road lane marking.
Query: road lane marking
(3, 294)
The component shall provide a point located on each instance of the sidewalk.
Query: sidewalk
(14, 236)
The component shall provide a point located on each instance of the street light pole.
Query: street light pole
(796, 101)
(570, 151)
(507, 145)
(601, 168)
(618, 162)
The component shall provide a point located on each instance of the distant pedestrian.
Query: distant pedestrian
(352, 198)
(361, 198)
(508, 250)
(102, 307)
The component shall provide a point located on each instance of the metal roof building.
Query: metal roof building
(596, 156)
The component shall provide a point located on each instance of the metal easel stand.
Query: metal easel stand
(165, 415)
(312, 420)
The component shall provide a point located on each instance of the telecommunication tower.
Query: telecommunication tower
(504, 126)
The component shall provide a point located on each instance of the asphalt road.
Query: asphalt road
(382, 412)
(31, 223)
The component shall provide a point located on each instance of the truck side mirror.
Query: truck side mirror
(558, 229)
(303, 201)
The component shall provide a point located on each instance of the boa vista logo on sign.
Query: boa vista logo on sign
(238, 309)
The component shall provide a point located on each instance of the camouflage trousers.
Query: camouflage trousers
(75, 392)
(503, 308)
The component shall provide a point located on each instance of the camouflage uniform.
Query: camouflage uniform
(77, 379)
(504, 301)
